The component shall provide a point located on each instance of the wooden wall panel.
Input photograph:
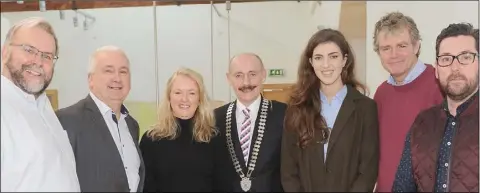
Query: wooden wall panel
(31, 5)
(279, 92)
(353, 19)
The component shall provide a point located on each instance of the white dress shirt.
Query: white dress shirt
(254, 107)
(124, 142)
(36, 155)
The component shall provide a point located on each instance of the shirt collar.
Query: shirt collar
(462, 107)
(104, 108)
(412, 75)
(253, 106)
(341, 94)
(40, 101)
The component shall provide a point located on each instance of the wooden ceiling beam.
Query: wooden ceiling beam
(29, 5)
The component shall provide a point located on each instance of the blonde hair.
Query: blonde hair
(204, 122)
(32, 22)
(395, 21)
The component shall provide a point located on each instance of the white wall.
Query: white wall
(277, 31)
(358, 47)
(327, 14)
(76, 45)
(264, 28)
(430, 17)
(5, 26)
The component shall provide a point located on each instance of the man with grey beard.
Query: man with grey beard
(441, 150)
(36, 155)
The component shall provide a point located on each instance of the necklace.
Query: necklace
(246, 182)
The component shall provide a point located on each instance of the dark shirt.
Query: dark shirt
(180, 164)
(404, 178)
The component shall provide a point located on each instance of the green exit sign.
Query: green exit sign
(275, 72)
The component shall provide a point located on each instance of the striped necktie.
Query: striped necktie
(245, 133)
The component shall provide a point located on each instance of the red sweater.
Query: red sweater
(398, 106)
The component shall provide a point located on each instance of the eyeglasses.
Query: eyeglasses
(463, 58)
(33, 51)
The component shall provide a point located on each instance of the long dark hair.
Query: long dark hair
(303, 112)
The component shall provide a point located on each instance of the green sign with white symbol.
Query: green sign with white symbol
(275, 72)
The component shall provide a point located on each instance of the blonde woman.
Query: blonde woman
(178, 151)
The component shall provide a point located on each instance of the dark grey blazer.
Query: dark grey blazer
(99, 165)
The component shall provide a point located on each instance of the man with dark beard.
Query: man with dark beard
(441, 150)
(252, 127)
(35, 152)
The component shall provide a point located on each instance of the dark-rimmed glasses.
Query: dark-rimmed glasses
(463, 58)
(33, 51)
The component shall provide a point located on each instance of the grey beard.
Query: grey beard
(19, 80)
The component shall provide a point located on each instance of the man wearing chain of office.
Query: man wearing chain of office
(252, 129)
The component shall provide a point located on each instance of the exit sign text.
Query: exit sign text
(275, 72)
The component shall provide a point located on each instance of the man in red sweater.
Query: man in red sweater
(411, 88)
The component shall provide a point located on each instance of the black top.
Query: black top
(181, 164)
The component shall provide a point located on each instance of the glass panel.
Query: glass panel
(184, 40)
(111, 26)
(276, 31)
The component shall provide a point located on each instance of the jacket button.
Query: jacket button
(329, 171)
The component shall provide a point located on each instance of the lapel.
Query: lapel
(346, 110)
(255, 130)
(132, 127)
(99, 125)
(236, 141)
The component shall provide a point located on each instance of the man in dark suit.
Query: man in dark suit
(104, 137)
(252, 129)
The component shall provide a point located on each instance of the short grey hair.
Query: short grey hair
(109, 48)
(394, 21)
(32, 22)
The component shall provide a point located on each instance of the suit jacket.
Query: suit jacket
(353, 152)
(266, 175)
(99, 164)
